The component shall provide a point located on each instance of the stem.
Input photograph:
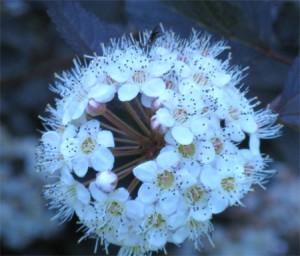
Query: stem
(128, 164)
(126, 153)
(125, 173)
(122, 125)
(143, 111)
(112, 129)
(127, 141)
(136, 118)
(133, 185)
(126, 148)
(88, 182)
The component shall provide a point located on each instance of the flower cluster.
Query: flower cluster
(190, 137)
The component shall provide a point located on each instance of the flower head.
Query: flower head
(177, 140)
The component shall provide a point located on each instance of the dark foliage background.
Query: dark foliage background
(39, 38)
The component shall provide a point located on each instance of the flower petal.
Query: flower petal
(106, 139)
(96, 193)
(147, 193)
(167, 159)
(182, 135)
(83, 195)
(80, 166)
(153, 87)
(128, 92)
(102, 159)
(146, 171)
(134, 210)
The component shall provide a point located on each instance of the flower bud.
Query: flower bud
(95, 108)
(106, 181)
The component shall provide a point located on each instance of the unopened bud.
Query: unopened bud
(106, 181)
(95, 108)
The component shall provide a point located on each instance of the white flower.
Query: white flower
(81, 85)
(228, 184)
(87, 147)
(159, 184)
(67, 196)
(185, 140)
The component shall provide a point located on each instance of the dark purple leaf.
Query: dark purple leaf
(81, 29)
(289, 103)
(248, 22)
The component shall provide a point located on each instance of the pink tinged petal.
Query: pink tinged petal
(254, 144)
(182, 135)
(128, 92)
(146, 171)
(116, 74)
(106, 139)
(147, 193)
(96, 193)
(168, 201)
(102, 92)
(134, 210)
(167, 159)
(80, 166)
(106, 181)
(83, 195)
(51, 137)
(179, 235)
(218, 202)
(153, 87)
(102, 159)
(210, 177)
(119, 195)
(184, 179)
(248, 123)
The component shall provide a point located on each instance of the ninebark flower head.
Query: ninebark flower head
(183, 146)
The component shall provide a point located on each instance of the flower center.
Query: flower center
(115, 209)
(195, 194)
(228, 184)
(139, 76)
(180, 115)
(165, 180)
(234, 113)
(200, 78)
(187, 151)
(156, 220)
(88, 146)
(217, 143)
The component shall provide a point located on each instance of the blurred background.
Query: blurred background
(263, 35)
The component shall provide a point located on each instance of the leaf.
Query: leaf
(248, 22)
(81, 29)
(148, 14)
(289, 103)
